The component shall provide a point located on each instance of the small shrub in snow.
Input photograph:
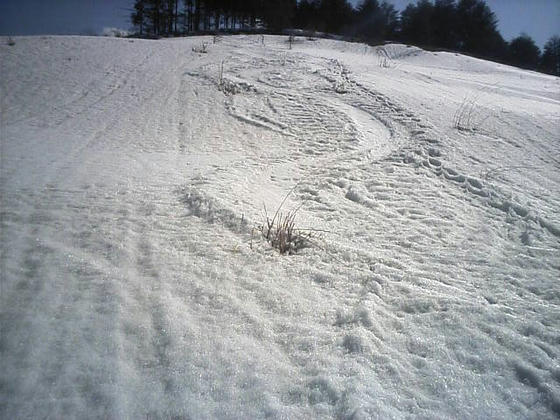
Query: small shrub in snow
(467, 117)
(340, 87)
(281, 232)
(230, 87)
(203, 49)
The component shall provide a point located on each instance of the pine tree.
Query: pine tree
(523, 52)
(335, 15)
(416, 23)
(279, 14)
(550, 60)
(477, 29)
(374, 21)
(138, 16)
(444, 24)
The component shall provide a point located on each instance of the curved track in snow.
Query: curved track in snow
(133, 178)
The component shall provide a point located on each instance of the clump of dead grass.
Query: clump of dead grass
(281, 232)
(202, 49)
(470, 116)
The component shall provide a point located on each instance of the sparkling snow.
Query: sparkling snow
(135, 284)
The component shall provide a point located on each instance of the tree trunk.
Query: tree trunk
(176, 14)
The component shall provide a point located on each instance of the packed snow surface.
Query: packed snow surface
(136, 283)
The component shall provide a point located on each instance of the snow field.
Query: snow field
(133, 283)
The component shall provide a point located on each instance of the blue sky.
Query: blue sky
(539, 18)
(62, 17)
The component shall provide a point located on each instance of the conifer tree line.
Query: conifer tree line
(177, 17)
(467, 26)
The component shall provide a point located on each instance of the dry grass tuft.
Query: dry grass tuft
(203, 49)
(281, 231)
(282, 234)
(469, 116)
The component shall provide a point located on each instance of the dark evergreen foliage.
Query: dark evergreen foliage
(478, 29)
(375, 22)
(523, 52)
(416, 23)
(445, 22)
(550, 60)
(468, 26)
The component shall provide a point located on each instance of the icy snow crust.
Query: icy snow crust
(133, 282)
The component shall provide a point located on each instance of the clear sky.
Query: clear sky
(63, 17)
(539, 18)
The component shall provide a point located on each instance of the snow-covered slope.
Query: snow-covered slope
(135, 285)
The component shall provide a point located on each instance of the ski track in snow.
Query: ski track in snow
(134, 284)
